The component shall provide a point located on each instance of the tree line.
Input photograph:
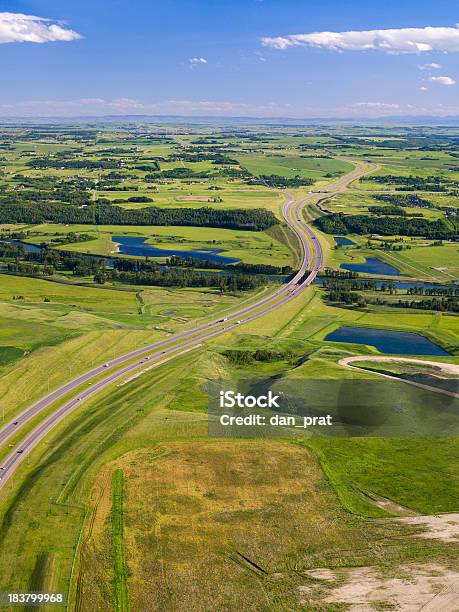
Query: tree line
(256, 219)
(338, 223)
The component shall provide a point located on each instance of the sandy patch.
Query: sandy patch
(443, 527)
(450, 368)
(430, 588)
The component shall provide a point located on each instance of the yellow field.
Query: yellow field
(220, 525)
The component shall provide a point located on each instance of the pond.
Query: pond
(386, 341)
(372, 265)
(28, 247)
(343, 241)
(137, 245)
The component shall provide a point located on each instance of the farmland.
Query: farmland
(128, 502)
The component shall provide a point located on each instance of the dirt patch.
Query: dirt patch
(389, 505)
(444, 527)
(430, 588)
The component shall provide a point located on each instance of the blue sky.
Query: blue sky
(229, 57)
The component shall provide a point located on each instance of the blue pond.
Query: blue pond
(372, 265)
(135, 245)
(390, 342)
(30, 248)
(343, 241)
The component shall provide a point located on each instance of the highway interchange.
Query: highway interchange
(177, 344)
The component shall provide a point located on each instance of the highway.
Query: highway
(312, 257)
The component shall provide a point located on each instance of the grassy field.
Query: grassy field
(210, 512)
(293, 165)
(129, 503)
(237, 525)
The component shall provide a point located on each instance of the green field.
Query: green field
(291, 165)
(130, 503)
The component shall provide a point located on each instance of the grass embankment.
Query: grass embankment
(121, 598)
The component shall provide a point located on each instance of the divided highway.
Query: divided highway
(312, 261)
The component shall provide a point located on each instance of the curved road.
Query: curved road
(183, 340)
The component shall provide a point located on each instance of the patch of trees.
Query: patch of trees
(246, 357)
(441, 291)
(275, 180)
(330, 273)
(338, 223)
(414, 183)
(64, 195)
(388, 210)
(343, 296)
(176, 173)
(151, 167)
(200, 156)
(245, 268)
(404, 199)
(42, 163)
(170, 277)
(104, 214)
(439, 304)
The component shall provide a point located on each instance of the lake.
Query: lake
(386, 341)
(343, 241)
(372, 265)
(137, 245)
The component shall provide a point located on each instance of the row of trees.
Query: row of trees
(179, 277)
(275, 180)
(103, 214)
(46, 262)
(414, 183)
(338, 223)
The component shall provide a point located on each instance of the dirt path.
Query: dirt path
(447, 368)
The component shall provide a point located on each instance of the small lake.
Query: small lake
(137, 245)
(343, 241)
(28, 247)
(372, 265)
(386, 341)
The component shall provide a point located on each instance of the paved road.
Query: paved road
(175, 345)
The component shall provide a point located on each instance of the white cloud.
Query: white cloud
(382, 106)
(195, 61)
(443, 80)
(16, 27)
(98, 106)
(423, 88)
(126, 106)
(401, 40)
(432, 66)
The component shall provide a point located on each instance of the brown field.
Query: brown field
(232, 525)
